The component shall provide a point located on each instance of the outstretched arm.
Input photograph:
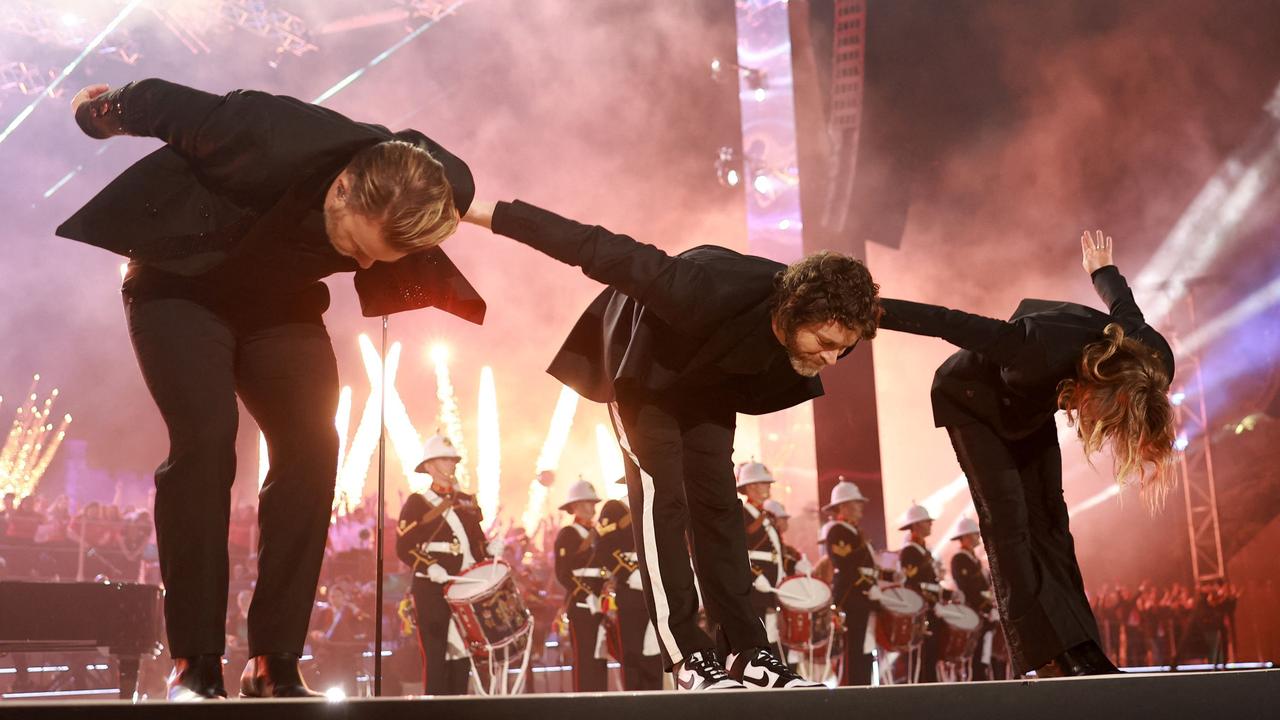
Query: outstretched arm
(996, 339)
(1110, 285)
(679, 291)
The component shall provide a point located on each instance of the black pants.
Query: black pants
(639, 671)
(857, 663)
(1017, 491)
(681, 490)
(195, 363)
(440, 676)
(590, 674)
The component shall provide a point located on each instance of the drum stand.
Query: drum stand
(497, 664)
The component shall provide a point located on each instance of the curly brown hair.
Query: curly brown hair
(1120, 396)
(826, 286)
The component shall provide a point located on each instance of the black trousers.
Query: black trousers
(440, 676)
(639, 671)
(590, 674)
(1017, 491)
(195, 363)
(681, 490)
(857, 664)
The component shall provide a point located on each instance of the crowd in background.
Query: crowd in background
(53, 539)
(1151, 625)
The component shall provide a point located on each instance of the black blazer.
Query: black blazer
(695, 322)
(1007, 373)
(230, 158)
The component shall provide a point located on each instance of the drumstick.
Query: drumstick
(465, 579)
(790, 595)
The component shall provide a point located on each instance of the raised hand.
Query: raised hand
(88, 93)
(1095, 250)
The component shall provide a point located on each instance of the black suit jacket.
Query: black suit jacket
(1007, 373)
(696, 322)
(971, 580)
(229, 159)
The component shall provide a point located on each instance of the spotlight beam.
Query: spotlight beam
(48, 91)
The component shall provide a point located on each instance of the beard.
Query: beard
(804, 368)
(801, 363)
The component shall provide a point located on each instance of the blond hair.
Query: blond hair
(405, 190)
(1120, 396)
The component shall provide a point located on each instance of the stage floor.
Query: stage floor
(1238, 695)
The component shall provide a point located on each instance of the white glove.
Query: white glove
(874, 594)
(496, 548)
(437, 574)
(762, 584)
(634, 581)
(593, 604)
(803, 566)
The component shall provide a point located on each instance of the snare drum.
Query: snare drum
(900, 619)
(805, 617)
(957, 631)
(491, 613)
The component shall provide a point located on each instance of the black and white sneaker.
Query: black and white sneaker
(761, 669)
(703, 671)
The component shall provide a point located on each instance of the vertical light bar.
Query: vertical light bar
(771, 182)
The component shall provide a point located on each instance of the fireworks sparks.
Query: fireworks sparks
(611, 467)
(450, 418)
(31, 444)
(549, 457)
(489, 465)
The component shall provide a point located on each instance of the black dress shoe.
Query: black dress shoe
(274, 676)
(1095, 660)
(196, 678)
(1080, 661)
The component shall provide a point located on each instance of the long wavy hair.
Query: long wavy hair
(1120, 397)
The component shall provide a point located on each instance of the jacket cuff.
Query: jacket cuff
(1104, 270)
(504, 220)
(104, 116)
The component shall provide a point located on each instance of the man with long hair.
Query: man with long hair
(229, 228)
(676, 345)
(1110, 372)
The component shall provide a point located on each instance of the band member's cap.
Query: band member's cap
(776, 509)
(844, 492)
(750, 473)
(578, 492)
(914, 514)
(967, 526)
(437, 446)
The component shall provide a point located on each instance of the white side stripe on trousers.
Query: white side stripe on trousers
(662, 623)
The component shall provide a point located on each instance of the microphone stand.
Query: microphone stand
(381, 514)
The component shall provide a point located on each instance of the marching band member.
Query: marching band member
(791, 557)
(583, 579)
(616, 548)
(921, 573)
(764, 545)
(972, 581)
(439, 536)
(854, 577)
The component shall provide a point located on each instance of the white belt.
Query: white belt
(931, 587)
(444, 548)
(590, 572)
(762, 555)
